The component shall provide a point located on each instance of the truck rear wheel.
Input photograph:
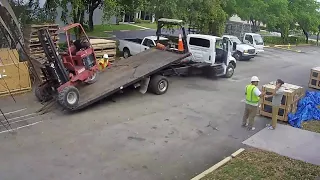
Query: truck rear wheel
(158, 84)
(69, 97)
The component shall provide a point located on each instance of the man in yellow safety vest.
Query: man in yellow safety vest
(253, 95)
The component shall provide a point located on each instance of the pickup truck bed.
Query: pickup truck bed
(127, 72)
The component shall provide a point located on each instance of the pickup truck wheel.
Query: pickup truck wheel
(237, 55)
(126, 53)
(94, 78)
(229, 71)
(69, 97)
(158, 85)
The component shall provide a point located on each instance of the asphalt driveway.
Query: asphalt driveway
(141, 137)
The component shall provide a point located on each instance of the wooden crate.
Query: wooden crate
(314, 81)
(14, 79)
(292, 93)
(8, 56)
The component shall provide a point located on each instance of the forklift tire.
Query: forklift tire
(158, 84)
(40, 95)
(93, 79)
(230, 71)
(69, 97)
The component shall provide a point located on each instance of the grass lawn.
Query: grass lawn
(99, 30)
(148, 25)
(311, 126)
(153, 25)
(258, 164)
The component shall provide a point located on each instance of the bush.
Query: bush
(140, 21)
(279, 41)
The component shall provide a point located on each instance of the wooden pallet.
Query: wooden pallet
(314, 81)
(104, 46)
(288, 103)
(32, 44)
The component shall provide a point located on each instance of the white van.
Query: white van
(212, 50)
(254, 40)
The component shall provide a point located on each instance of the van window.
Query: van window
(199, 42)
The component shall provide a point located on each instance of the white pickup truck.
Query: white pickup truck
(240, 50)
(131, 47)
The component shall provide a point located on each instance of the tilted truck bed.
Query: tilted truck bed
(126, 72)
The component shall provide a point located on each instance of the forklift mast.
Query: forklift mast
(54, 68)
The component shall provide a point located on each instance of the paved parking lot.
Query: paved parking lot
(142, 137)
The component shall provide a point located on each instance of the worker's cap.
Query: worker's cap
(255, 79)
(105, 56)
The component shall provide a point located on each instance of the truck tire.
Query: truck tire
(69, 97)
(126, 53)
(158, 85)
(93, 79)
(229, 71)
(237, 55)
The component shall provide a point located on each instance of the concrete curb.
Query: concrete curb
(219, 164)
(293, 50)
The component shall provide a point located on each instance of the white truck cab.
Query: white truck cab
(239, 50)
(212, 50)
(254, 40)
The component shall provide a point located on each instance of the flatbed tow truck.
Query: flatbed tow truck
(131, 71)
(146, 70)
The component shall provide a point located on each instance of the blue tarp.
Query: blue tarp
(307, 109)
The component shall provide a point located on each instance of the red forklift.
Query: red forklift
(65, 71)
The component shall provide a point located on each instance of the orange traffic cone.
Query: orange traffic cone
(180, 44)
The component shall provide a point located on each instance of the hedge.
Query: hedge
(279, 41)
(140, 21)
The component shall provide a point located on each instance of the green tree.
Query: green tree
(306, 14)
(208, 16)
(278, 16)
(253, 11)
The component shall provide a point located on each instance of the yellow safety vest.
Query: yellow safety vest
(250, 96)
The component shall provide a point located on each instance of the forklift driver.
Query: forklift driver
(77, 45)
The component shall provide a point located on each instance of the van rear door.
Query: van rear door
(200, 49)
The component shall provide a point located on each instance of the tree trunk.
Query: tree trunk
(90, 20)
(307, 35)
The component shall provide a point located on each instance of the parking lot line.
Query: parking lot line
(20, 127)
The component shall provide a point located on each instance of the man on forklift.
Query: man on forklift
(77, 45)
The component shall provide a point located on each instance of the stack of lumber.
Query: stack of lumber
(32, 43)
(288, 103)
(314, 81)
(14, 75)
(104, 46)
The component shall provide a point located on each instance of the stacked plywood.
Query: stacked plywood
(104, 46)
(14, 75)
(314, 81)
(288, 103)
(32, 43)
